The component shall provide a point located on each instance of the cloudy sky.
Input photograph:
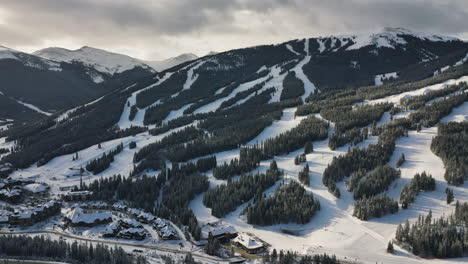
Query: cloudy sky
(157, 29)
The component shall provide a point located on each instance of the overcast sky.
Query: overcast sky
(158, 29)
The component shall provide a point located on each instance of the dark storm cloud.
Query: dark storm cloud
(162, 27)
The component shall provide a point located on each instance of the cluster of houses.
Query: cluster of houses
(30, 215)
(243, 241)
(128, 228)
(15, 190)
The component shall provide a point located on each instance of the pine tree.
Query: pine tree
(450, 196)
(390, 248)
(308, 147)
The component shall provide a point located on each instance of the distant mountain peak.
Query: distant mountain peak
(99, 59)
(171, 62)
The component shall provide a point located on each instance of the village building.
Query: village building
(111, 230)
(30, 216)
(21, 218)
(146, 218)
(11, 195)
(167, 233)
(223, 233)
(132, 233)
(119, 206)
(77, 196)
(36, 189)
(4, 215)
(248, 243)
(77, 217)
(130, 223)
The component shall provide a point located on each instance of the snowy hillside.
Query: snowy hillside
(101, 60)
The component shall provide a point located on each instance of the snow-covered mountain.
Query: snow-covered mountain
(388, 37)
(101, 60)
(59, 78)
(171, 62)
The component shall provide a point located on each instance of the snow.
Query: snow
(321, 43)
(176, 113)
(171, 62)
(378, 80)
(309, 87)
(247, 241)
(101, 60)
(77, 215)
(36, 187)
(69, 111)
(390, 38)
(124, 121)
(333, 229)
(396, 98)
(191, 78)
(462, 61)
(213, 106)
(6, 53)
(290, 48)
(33, 107)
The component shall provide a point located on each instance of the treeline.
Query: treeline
(249, 159)
(176, 197)
(290, 203)
(292, 86)
(304, 175)
(141, 192)
(350, 96)
(445, 237)
(309, 129)
(153, 155)
(380, 153)
(374, 182)
(288, 257)
(46, 139)
(374, 206)
(226, 198)
(420, 183)
(416, 102)
(364, 159)
(44, 248)
(101, 164)
(347, 117)
(243, 94)
(348, 121)
(430, 115)
(450, 145)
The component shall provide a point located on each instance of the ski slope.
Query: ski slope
(333, 229)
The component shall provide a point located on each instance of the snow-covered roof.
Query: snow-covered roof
(130, 222)
(248, 241)
(167, 231)
(147, 216)
(77, 215)
(10, 192)
(160, 222)
(132, 231)
(36, 187)
(223, 230)
(111, 228)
